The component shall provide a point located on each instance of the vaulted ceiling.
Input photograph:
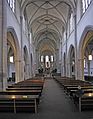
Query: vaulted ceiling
(47, 19)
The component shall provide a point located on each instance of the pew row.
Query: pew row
(82, 97)
(21, 92)
(28, 84)
(84, 101)
(18, 103)
(25, 88)
(23, 96)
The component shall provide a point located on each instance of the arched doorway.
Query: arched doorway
(10, 64)
(88, 59)
(72, 61)
(86, 53)
(13, 57)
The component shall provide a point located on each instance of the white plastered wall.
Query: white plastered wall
(82, 22)
(13, 21)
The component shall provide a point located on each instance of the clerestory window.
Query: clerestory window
(11, 4)
(71, 22)
(85, 5)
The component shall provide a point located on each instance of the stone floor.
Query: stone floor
(54, 104)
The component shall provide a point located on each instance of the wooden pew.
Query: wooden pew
(26, 95)
(25, 85)
(84, 101)
(25, 88)
(21, 92)
(28, 83)
(18, 103)
(70, 84)
(73, 89)
(34, 82)
(84, 98)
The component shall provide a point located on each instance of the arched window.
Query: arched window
(8, 1)
(85, 4)
(71, 22)
(84, 63)
(47, 62)
(11, 4)
(42, 58)
(47, 58)
(52, 58)
(64, 35)
(11, 59)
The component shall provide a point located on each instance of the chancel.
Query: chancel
(46, 54)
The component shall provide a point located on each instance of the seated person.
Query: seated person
(80, 92)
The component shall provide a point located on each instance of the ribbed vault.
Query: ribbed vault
(47, 19)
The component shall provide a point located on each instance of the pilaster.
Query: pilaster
(22, 57)
(76, 58)
(3, 45)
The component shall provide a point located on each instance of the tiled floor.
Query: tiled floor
(54, 104)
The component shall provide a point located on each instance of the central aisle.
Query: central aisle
(54, 104)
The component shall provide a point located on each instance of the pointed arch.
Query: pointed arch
(12, 40)
(71, 61)
(86, 37)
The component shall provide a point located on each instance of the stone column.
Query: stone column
(29, 67)
(17, 70)
(3, 45)
(76, 58)
(54, 60)
(34, 61)
(37, 60)
(57, 59)
(22, 57)
(88, 63)
(80, 69)
(61, 57)
(26, 71)
(65, 65)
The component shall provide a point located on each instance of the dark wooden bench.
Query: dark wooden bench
(70, 90)
(82, 98)
(84, 101)
(21, 92)
(24, 88)
(34, 82)
(18, 103)
(22, 96)
(21, 85)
